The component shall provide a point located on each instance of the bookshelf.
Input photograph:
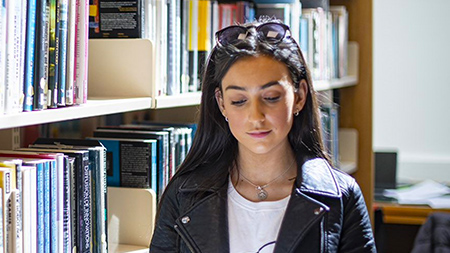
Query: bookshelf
(110, 80)
(356, 101)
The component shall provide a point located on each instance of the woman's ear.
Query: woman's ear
(219, 100)
(300, 96)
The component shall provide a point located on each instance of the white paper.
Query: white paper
(427, 192)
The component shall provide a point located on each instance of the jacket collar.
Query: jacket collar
(315, 178)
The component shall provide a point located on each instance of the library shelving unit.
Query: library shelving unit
(120, 78)
(356, 101)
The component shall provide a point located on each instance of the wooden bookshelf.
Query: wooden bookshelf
(356, 101)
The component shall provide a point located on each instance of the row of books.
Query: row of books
(54, 197)
(329, 116)
(324, 41)
(145, 154)
(182, 32)
(43, 54)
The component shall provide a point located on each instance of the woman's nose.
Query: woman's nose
(256, 112)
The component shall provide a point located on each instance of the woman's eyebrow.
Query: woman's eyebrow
(265, 86)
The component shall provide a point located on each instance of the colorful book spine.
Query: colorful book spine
(84, 206)
(5, 184)
(17, 217)
(42, 53)
(40, 168)
(53, 56)
(47, 203)
(63, 6)
(30, 56)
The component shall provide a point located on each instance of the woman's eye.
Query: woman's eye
(272, 99)
(238, 102)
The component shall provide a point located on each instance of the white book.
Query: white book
(71, 42)
(13, 30)
(26, 206)
(161, 47)
(81, 62)
(22, 42)
(2, 54)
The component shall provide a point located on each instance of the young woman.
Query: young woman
(257, 178)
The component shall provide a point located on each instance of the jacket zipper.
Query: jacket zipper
(184, 238)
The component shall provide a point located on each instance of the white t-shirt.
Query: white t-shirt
(253, 226)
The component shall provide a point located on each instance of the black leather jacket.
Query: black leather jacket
(326, 213)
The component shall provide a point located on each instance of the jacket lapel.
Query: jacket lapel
(205, 225)
(304, 210)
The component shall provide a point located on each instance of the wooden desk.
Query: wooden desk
(396, 225)
(405, 214)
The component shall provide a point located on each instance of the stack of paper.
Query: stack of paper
(427, 192)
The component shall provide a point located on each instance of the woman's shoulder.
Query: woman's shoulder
(318, 175)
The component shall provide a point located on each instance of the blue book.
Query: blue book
(121, 171)
(29, 55)
(53, 207)
(162, 151)
(47, 186)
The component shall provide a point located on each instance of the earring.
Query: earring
(226, 119)
(296, 113)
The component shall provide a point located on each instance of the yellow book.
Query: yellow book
(204, 24)
(8, 185)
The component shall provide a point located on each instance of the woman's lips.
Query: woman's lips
(259, 134)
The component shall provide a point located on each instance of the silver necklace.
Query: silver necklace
(262, 194)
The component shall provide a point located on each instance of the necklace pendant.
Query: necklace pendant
(262, 194)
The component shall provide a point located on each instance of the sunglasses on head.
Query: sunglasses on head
(270, 32)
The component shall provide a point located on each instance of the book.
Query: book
(53, 67)
(131, 162)
(8, 184)
(193, 45)
(173, 49)
(71, 42)
(81, 52)
(103, 20)
(2, 54)
(29, 206)
(162, 147)
(42, 55)
(30, 56)
(13, 72)
(63, 14)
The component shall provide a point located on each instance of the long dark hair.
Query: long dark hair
(214, 147)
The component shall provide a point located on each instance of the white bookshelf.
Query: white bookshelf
(93, 107)
(350, 80)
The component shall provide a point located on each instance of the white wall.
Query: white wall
(411, 85)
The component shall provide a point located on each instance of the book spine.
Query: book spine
(42, 52)
(53, 56)
(12, 77)
(193, 45)
(33, 211)
(154, 168)
(184, 49)
(204, 42)
(30, 56)
(102, 205)
(2, 54)
(47, 203)
(71, 41)
(5, 177)
(62, 61)
(26, 207)
(40, 206)
(59, 175)
(84, 206)
(2, 209)
(18, 213)
(81, 63)
(68, 164)
(22, 40)
(74, 171)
